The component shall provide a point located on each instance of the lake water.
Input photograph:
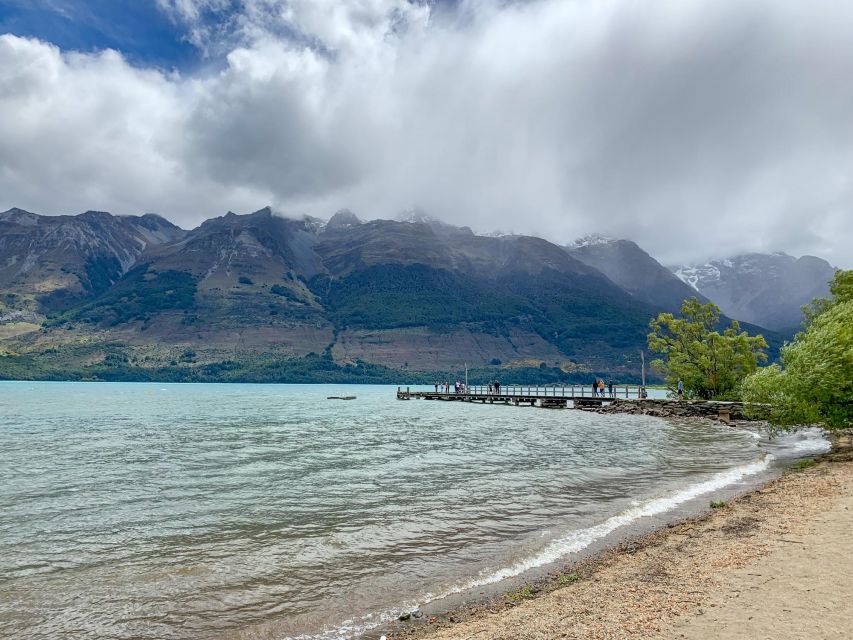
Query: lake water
(267, 511)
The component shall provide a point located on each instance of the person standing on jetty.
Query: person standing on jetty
(610, 388)
(680, 389)
(595, 387)
(601, 387)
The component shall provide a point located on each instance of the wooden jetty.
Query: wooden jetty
(551, 396)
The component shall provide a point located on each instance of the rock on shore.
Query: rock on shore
(712, 409)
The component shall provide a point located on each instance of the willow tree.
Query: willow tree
(712, 364)
(814, 383)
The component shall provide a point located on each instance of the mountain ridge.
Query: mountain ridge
(629, 266)
(765, 289)
(73, 255)
(238, 290)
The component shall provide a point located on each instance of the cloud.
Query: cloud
(697, 128)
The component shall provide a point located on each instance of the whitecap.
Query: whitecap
(572, 542)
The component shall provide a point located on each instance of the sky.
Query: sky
(697, 128)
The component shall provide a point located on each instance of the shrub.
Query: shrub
(814, 385)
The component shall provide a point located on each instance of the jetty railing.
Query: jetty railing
(565, 391)
(550, 391)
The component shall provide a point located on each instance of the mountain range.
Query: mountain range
(268, 298)
(765, 289)
(638, 273)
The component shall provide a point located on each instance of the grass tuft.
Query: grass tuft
(719, 504)
(804, 464)
(567, 578)
(525, 593)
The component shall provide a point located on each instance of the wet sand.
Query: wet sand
(774, 563)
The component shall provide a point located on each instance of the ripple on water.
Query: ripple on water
(185, 511)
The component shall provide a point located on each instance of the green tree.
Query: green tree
(814, 384)
(711, 364)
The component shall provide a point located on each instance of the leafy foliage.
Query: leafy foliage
(711, 364)
(116, 361)
(814, 383)
(116, 366)
(576, 315)
(139, 294)
(101, 273)
(284, 292)
(395, 296)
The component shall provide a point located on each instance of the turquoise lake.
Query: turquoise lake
(266, 511)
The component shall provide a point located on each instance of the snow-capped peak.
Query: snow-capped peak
(697, 275)
(591, 240)
(314, 225)
(415, 215)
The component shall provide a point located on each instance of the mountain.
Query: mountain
(240, 292)
(765, 289)
(48, 262)
(634, 270)
(261, 297)
(433, 293)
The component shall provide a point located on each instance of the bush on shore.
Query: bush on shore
(814, 383)
(711, 364)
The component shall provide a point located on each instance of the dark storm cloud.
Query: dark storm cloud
(697, 128)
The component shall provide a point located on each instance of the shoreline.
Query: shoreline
(642, 584)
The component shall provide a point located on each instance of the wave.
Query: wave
(578, 540)
(571, 542)
(804, 442)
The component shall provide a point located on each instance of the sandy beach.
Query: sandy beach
(774, 563)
